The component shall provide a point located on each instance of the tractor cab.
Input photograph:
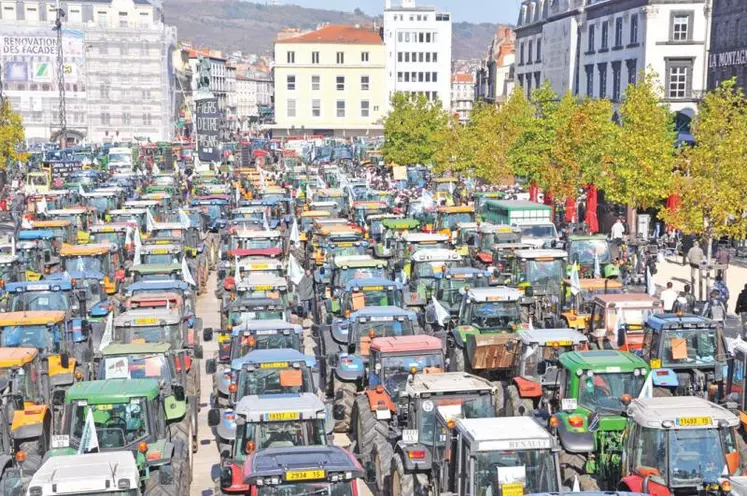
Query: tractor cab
(156, 272)
(11, 269)
(161, 254)
(127, 215)
(617, 320)
(589, 252)
(447, 218)
(37, 252)
(426, 266)
(80, 219)
(392, 230)
(272, 371)
(254, 244)
(95, 474)
(92, 260)
(62, 229)
(576, 308)
(369, 292)
(448, 291)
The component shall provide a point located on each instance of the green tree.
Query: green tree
(641, 172)
(412, 129)
(11, 136)
(711, 177)
(456, 148)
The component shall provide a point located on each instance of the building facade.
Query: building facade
(254, 99)
(728, 54)
(462, 95)
(418, 46)
(116, 56)
(596, 48)
(330, 81)
(218, 85)
(495, 78)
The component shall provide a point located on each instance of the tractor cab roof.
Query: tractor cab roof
(273, 326)
(448, 382)
(506, 433)
(275, 463)
(541, 254)
(147, 317)
(16, 357)
(112, 390)
(261, 282)
(496, 293)
(551, 337)
(388, 312)
(602, 361)
(157, 286)
(260, 408)
(419, 237)
(358, 262)
(628, 300)
(91, 472)
(372, 282)
(118, 349)
(43, 285)
(256, 304)
(435, 255)
(282, 358)
(669, 321)
(406, 344)
(680, 412)
(37, 317)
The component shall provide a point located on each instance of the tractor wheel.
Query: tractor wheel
(182, 463)
(500, 399)
(572, 466)
(181, 435)
(661, 392)
(456, 359)
(344, 394)
(365, 427)
(407, 484)
(382, 461)
(516, 406)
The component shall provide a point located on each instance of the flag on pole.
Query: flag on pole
(89, 439)
(238, 194)
(261, 177)
(294, 237)
(442, 315)
(108, 335)
(156, 170)
(26, 224)
(426, 200)
(13, 246)
(81, 191)
(42, 207)
(265, 224)
(150, 222)
(597, 269)
(186, 274)
(236, 272)
(647, 391)
(184, 219)
(295, 272)
(575, 281)
(320, 182)
(576, 485)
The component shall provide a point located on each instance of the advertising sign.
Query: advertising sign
(29, 55)
(207, 127)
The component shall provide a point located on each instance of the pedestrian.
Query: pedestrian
(714, 308)
(685, 301)
(668, 297)
(618, 230)
(723, 257)
(742, 310)
(723, 291)
(695, 257)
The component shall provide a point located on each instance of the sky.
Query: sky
(495, 11)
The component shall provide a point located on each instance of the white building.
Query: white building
(218, 84)
(118, 83)
(418, 46)
(462, 95)
(596, 48)
(254, 98)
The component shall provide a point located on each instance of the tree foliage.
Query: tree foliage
(711, 177)
(11, 136)
(640, 174)
(412, 129)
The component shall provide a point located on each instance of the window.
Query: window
(104, 92)
(435, 56)
(602, 79)
(291, 82)
(427, 56)
(364, 56)
(420, 56)
(634, 28)
(407, 37)
(126, 118)
(399, 57)
(427, 77)
(399, 36)
(291, 57)
(589, 80)
(291, 108)
(340, 83)
(365, 108)
(679, 77)
(605, 35)
(407, 56)
(106, 118)
(123, 20)
(420, 77)
(314, 57)
(421, 37)
(340, 57)
(316, 108)
(592, 28)
(407, 77)
(315, 83)
(340, 108)
(530, 52)
(365, 83)
(537, 79)
(681, 26)
(632, 70)
(539, 51)
(521, 54)
(427, 37)
(147, 119)
(399, 77)
(616, 81)
(435, 96)
(618, 32)
(434, 77)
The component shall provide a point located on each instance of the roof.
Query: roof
(95, 472)
(404, 344)
(16, 357)
(113, 390)
(155, 268)
(418, 237)
(275, 356)
(262, 279)
(245, 233)
(664, 321)
(495, 293)
(30, 318)
(8, 259)
(84, 250)
(147, 316)
(27, 235)
(601, 361)
(543, 337)
(57, 284)
(435, 255)
(271, 325)
(506, 433)
(541, 253)
(50, 223)
(135, 349)
(461, 77)
(382, 311)
(448, 382)
(276, 303)
(372, 281)
(308, 406)
(629, 299)
(337, 33)
(157, 286)
(653, 411)
(523, 204)
(279, 461)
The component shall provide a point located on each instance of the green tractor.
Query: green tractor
(595, 388)
(132, 415)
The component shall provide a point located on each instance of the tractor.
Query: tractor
(112, 473)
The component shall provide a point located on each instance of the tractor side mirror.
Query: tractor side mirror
(64, 360)
(226, 477)
(178, 392)
(207, 334)
(213, 417)
(211, 366)
(58, 397)
(85, 328)
(18, 402)
(198, 351)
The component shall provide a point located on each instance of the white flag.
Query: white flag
(137, 258)
(108, 335)
(650, 286)
(265, 224)
(426, 200)
(295, 272)
(81, 191)
(150, 222)
(442, 315)
(236, 272)
(647, 391)
(575, 281)
(186, 274)
(184, 219)
(320, 182)
(261, 177)
(294, 237)
(13, 246)
(156, 170)
(42, 207)
(238, 194)
(576, 485)
(597, 269)
(136, 237)
(26, 224)
(89, 439)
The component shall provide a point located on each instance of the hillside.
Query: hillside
(251, 27)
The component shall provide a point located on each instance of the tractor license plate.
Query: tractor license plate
(273, 365)
(297, 475)
(512, 489)
(410, 436)
(60, 441)
(146, 321)
(263, 288)
(694, 421)
(279, 416)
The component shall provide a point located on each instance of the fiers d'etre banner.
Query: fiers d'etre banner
(207, 127)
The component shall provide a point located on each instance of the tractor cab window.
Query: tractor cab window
(650, 453)
(480, 406)
(137, 367)
(85, 264)
(736, 385)
(39, 300)
(147, 334)
(280, 435)
(492, 314)
(696, 456)
(239, 318)
(540, 358)
(117, 425)
(492, 467)
(381, 328)
(341, 488)
(396, 369)
(603, 390)
(32, 336)
(275, 381)
(245, 343)
(689, 347)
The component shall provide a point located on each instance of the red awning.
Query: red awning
(591, 209)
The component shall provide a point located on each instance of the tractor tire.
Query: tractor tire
(381, 456)
(500, 399)
(365, 428)
(516, 406)
(182, 463)
(661, 392)
(456, 360)
(571, 466)
(181, 436)
(344, 394)
(407, 484)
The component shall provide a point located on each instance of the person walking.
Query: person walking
(668, 297)
(618, 230)
(723, 291)
(723, 257)
(695, 257)
(742, 310)
(685, 301)
(305, 290)
(714, 308)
